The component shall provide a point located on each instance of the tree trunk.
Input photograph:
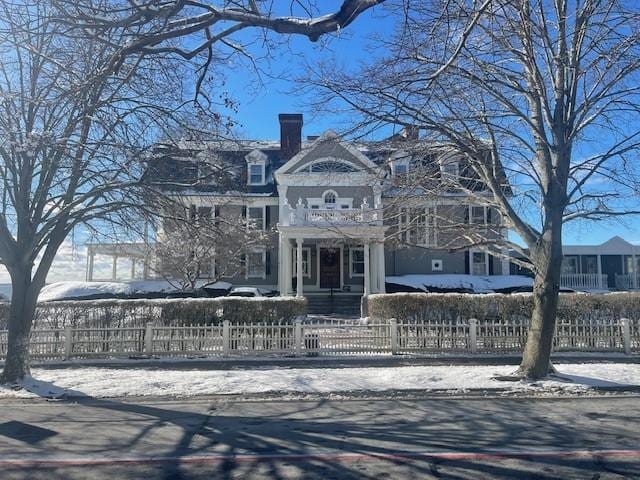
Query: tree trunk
(24, 298)
(536, 358)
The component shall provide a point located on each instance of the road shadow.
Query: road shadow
(289, 439)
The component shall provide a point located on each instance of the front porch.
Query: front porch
(349, 262)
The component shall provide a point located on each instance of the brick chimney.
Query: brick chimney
(290, 134)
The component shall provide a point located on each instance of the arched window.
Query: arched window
(330, 197)
(331, 166)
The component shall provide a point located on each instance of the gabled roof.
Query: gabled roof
(326, 146)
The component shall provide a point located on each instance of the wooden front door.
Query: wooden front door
(330, 259)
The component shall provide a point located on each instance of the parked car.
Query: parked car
(245, 292)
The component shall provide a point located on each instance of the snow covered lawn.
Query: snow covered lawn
(111, 382)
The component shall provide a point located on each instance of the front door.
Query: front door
(330, 267)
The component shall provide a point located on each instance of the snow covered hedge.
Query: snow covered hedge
(451, 307)
(163, 312)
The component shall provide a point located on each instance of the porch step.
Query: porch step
(340, 304)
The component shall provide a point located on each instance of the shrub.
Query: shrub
(452, 307)
(162, 312)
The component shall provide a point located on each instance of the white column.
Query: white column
(506, 267)
(367, 275)
(280, 265)
(374, 268)
(381, 269)
(300, 277)
(133, 268)
(286, 267)
(634, 271)
(600, 272)
(90, 257)
(114, 268)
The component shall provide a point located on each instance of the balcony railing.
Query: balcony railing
(628, 281)
(583, 281)
(301, 215)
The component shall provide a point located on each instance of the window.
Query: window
(306, 262)
(330, 166)
(417, 226)
(479, 263)
(356, 262)
(256, 174)
(330, 198)
(256, 264)
(400, 169)
(256, 217)
(478, 215)
(589, 264)
(570, 265)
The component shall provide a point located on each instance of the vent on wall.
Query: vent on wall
(436, 265)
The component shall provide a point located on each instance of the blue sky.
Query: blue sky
(261, 99)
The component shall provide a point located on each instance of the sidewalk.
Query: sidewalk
(154, 381)
(352, 361)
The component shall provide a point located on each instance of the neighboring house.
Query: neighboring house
(338, 222)
(612, 265)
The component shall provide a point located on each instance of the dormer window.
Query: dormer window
(450, 170)
(400, 163)
(400, 169)
(256, 174)
(256, 168)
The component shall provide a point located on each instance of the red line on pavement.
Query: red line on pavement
(209, 459)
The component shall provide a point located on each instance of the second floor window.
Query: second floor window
(256, 217)
(417, 226)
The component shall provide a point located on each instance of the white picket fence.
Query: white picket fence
(327, 339)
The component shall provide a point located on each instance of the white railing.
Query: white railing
(301, 215)
(327, 339)
(583, 281)
(628, 281)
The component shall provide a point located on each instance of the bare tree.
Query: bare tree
(84, 87)
(546, 92)
(202, 247)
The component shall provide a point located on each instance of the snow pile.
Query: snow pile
(62, 290)
(120, 382)
(476, 283)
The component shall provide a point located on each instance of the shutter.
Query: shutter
(244, 211)
(192, 212)
(466, 214)
(216, 214)
(467, 262)
(267, 217)
(267, 262)
(489, 209)
(243, 259)
(490, 259)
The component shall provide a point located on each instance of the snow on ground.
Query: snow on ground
(62, 290)
(477, 283)
(112, 382)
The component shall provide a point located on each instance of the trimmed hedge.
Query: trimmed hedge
(163, 312)
(452, 307)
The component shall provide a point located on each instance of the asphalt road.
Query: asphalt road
(324, 438)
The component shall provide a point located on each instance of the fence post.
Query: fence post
(148, 339)
(393, 333)
(298, 337)
(226, 340)
(68, 342)
(473, 335)
(625, 323)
